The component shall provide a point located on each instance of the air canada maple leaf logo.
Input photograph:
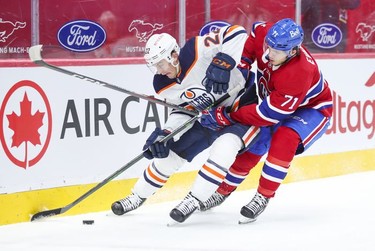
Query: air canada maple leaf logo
(26, 125)
(22, 123)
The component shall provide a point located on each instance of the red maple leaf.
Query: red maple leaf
(26, 125)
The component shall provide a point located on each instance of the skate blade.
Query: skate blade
(245, 220)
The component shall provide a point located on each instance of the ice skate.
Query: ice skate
(253, 209)
(215, 200)
(127, 204)
(186, 207)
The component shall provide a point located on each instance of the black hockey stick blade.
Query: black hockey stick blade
(57, 211)
(47, 213)
(35, 54)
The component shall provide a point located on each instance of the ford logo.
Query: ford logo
(81, 36)
(326, 35)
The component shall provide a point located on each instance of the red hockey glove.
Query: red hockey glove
(216, 118)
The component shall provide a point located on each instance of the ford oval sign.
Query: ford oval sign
(326, 35)
(81, 36)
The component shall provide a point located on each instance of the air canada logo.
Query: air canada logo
(143, 30)
(7, 28)
(26, 123)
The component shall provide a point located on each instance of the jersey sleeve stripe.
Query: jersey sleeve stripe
(166, 87)
(195, 56)
(255, 25)
(314, 91)
(272, 113)
(232, 32)
(259, 112)
(275, 109)
(247, 60)
(323, 105)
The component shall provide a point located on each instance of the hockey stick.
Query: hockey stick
(62, 210)
(35, 54)
(57, 211)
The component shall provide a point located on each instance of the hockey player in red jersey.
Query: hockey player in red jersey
(296, 104)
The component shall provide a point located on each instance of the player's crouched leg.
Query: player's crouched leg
(210, 176)
(153, 178)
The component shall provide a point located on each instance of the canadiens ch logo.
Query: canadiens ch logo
(26, 123)
(143, 30)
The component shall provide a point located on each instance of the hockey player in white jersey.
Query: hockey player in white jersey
(195, 76)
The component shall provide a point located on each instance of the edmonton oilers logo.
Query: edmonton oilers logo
(326, 35)
(198, 98)
(81, 36)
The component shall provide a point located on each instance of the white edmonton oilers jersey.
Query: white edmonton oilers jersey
(195, 56)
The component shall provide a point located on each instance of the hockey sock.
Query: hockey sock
(238, 172)
(213, 172)
(282, 150)
(157, 174)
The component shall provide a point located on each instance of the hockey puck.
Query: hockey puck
(88, 222)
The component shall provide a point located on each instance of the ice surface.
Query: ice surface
(326, 214)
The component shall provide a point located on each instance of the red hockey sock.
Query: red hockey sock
(238, 172)
(284, 144)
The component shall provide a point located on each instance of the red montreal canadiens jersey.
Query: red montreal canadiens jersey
(296, 84)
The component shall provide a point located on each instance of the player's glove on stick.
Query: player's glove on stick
(216, 118)
(155, 148)
(248, 75)
(218, 73)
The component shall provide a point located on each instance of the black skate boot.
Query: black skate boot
(186, 207)
(127, 204)
(253, 209)
(215, 200)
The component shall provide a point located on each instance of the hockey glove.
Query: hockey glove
(248, 75)
(218, 73)
(154, 148)
(216, 118)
